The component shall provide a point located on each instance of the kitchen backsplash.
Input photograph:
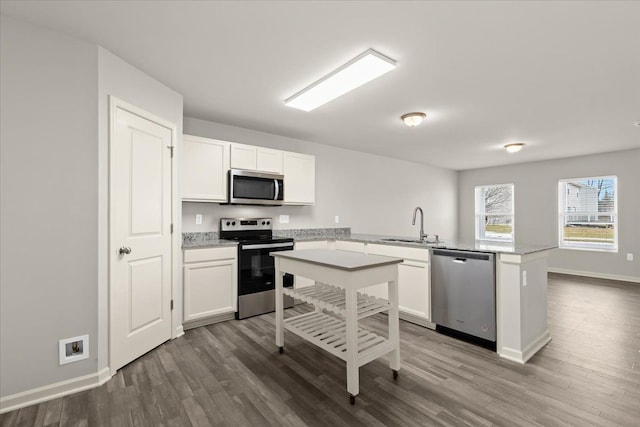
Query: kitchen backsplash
(199, 238)
(313, 233)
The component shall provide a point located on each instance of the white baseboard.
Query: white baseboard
(594, 274)
(52, 391)
(522, 356)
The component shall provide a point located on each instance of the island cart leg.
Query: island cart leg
(279, 308)
(394, 327)
(351, 320)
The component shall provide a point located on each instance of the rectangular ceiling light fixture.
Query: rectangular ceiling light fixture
(360, 70)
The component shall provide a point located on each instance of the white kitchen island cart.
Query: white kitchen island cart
(333, 325)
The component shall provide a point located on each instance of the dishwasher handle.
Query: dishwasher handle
(459, 260)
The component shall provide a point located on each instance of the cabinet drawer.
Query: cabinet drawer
(341, 245)
(209, 254)
(417, 254)
(318, 244)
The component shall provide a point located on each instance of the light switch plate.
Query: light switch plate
(629, 257)
(284, 219)
(337, 219)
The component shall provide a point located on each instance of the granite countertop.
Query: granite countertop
(211, 240)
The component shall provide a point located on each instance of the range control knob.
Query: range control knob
(228, 223)
(263, 223)
(268, 222)
(233, 223)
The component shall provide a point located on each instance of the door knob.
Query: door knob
(125, 250)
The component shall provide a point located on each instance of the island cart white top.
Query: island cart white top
(333, 325)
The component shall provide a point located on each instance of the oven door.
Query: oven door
(256, 267)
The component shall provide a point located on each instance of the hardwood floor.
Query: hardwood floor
(232, 374)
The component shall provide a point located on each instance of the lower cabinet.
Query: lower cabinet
(414, 278)
(210, 285)
(303, 282)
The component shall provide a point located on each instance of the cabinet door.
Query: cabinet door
(299, 179)
(209, 288)
(414, 290)
(303, 282)
(205, 164)
(269, 160)
(244, 157)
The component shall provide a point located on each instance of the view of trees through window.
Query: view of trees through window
(494, 212)
(588, 214)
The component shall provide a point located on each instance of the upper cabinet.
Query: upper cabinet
(205, 165)
(254, 158)
(299, 179)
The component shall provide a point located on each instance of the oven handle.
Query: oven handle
(268, 245)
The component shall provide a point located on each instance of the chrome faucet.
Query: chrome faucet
(423, 236)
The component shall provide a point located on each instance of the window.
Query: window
(494, 212)
(588, 213)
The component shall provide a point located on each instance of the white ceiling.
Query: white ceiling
(563, 77)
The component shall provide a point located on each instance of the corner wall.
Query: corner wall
(370, 193)
(536, 208)
(49, 202)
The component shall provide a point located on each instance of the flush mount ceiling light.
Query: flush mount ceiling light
(413, 119)
(514, 148)
(360, 70)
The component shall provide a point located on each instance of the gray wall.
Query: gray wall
(536, 205)
(54, 199)
(49, 201)
(371, 194)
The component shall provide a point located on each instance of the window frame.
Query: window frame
(478, 214)
(587, 246)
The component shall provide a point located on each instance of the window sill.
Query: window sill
(594, 249)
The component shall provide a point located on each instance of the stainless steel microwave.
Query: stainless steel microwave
(255, 188)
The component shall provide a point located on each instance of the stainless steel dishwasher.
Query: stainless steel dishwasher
(463, 292)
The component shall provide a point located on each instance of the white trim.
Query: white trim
(523, 356)
(53, 391)
(594, 274)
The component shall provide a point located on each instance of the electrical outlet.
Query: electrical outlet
(198, 219)
(629, 257)
(337, 219)
(284, 219)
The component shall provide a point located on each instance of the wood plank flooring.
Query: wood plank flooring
(231, 374)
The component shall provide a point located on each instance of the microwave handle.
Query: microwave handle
(275, 181)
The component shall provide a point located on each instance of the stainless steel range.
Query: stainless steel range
(256, 269)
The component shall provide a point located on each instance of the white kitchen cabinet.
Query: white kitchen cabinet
(270, 160)
(299, 172)
(343, 245)
(244, 157)
(205, 164)
(254, 158)
(210, 285)
(303, 282)
(414, 280)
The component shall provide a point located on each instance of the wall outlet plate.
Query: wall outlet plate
(337, 219)
(629, 257)
(284, 219)
(198, 219)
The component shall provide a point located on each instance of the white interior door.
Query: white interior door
(140, 237)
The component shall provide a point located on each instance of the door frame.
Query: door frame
(176, 325)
